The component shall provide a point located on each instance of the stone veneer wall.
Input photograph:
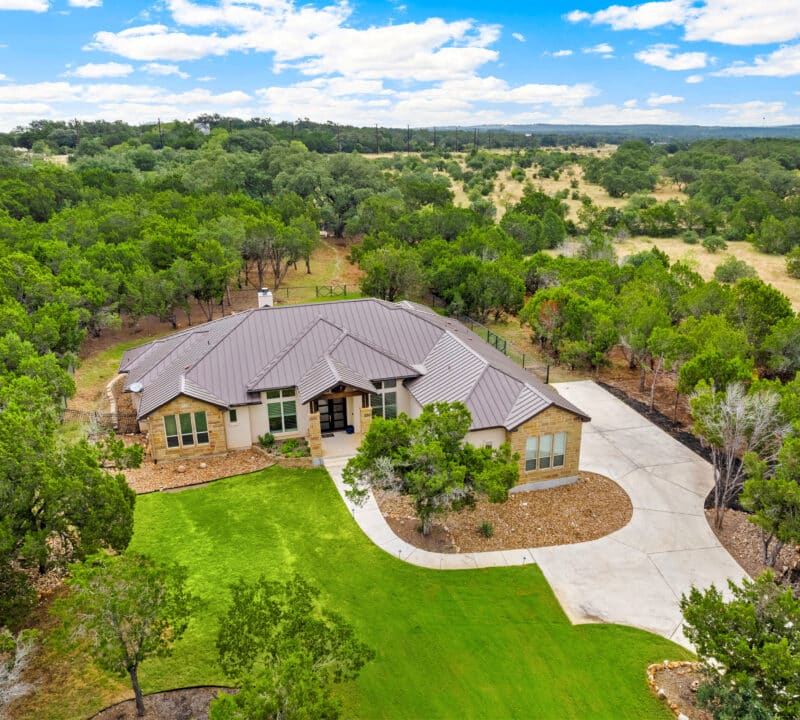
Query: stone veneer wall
(366, 420)
(553, 420)
(314, 435)
(217, 441)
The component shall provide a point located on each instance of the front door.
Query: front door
(332, 414)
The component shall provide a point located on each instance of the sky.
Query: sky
(400, 62)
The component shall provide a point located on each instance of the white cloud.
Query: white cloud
(755, 112)
(659, 100)
(784, 62)
(206, 78)
(32, 5)
(600, 49)
(732, 22)
(85, 3)
(694, 79)
(630, 103)
(518, 36)
(662, 56)
(562, 53)
(101, 70)
(162, 70)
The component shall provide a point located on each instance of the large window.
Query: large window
(384, 402)
(545, 451)
(186, 429)
(282, 410)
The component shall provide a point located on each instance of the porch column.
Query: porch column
(314, 435)
(366, 419)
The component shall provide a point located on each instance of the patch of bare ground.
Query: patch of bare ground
(676, 684)
(152, 477)
(742, 539)
(588, 509)
(182, 704)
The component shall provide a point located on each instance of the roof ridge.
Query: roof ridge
(477, 380)
(372, 346)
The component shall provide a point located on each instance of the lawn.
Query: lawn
(469, 644)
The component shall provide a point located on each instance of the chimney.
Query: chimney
(265, 298)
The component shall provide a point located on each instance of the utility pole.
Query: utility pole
(160, 133)
(77, 132)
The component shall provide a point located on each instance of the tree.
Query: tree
(731, 270)
(774, 501)
(129, 608)
(211, 268)
(756, 307)
(781, 347)
(15, 656)
(391, 272)
(428, 459)
(733, 423)
(286, 649)
(750, 647)
(793, 263)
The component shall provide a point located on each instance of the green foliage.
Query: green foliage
(714, 243)
(391, 273)
(428, 459)
(129, 608)
(731, 270)
(755, 636)
(793, 263)
(486, 529)
(266, 441)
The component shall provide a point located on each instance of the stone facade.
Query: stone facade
(217, 441)
(366, 420)
(314, 435)
(550, 421)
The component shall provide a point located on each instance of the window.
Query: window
(531, 453)
(559, 445)
(186, 429)
(384, 402)
(233, 417)
(545, 445)
(282, 410)
(545, 451)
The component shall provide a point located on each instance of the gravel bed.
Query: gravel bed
(678, 684)
(152, 476)
(590, 508)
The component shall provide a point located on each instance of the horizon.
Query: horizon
(708, 64)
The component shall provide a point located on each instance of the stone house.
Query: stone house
(322, 371)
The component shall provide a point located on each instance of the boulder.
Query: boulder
(180, 469)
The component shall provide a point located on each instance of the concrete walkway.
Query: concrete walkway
(634, 576)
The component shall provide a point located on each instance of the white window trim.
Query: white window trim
(551, 455)
(381, 392)
(180, 445)
(279, 401)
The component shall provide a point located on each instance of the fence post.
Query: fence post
(523, 361)
(316, 290)
(547, 375)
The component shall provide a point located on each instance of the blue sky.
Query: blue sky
(710, 62)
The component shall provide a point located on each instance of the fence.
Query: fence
(528, 361)
(330, 290)
(122, 423)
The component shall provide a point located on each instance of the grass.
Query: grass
(471, 644)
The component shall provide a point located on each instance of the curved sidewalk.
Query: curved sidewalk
(636, 575)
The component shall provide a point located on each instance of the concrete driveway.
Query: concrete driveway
(636, 575)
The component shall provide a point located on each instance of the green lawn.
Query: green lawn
(483, 643)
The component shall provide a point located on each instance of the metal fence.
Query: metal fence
(123, 423)
(528, 361)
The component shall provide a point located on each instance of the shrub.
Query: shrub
(289, 446)
(713, 243)
(267, 441)
(731, 270)
(793, 263)
(486, 529)
(690, 237)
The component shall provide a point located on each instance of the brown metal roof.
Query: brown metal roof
(229, 361)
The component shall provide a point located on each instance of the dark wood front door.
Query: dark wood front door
(332, 414)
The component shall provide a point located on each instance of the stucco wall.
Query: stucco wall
(550, 421)
(259, 424)
(217, 439)
(479, 438)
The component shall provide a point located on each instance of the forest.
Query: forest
(106, 223)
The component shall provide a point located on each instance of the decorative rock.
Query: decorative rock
(661, 694)
(681, 716)
(203, 466)
(180, 469)
(695, 684)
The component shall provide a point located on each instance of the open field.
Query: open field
(770, 268)
(485, 643)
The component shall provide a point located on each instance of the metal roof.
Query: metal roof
(316, 346)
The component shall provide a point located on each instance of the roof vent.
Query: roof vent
(136, 387)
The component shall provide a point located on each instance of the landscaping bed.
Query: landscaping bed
(676, 684)
(588, 509)
(182, 704)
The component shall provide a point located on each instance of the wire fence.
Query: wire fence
(122, 423)
(528, 361)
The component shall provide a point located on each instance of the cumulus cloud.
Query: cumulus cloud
(518, 36)
(755, 112)
(733, 22)
(783, 62)
(658, 100)
(662, 56)
(96, 71)
(694, 79)
(562, 53)
(600, 49)
(32, 5)
(85, 3)
(162, 70)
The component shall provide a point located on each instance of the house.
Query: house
(321, 370)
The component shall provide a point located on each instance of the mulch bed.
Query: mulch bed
(678, 683)
(152, 477)
(183, 704)
(590, 508)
